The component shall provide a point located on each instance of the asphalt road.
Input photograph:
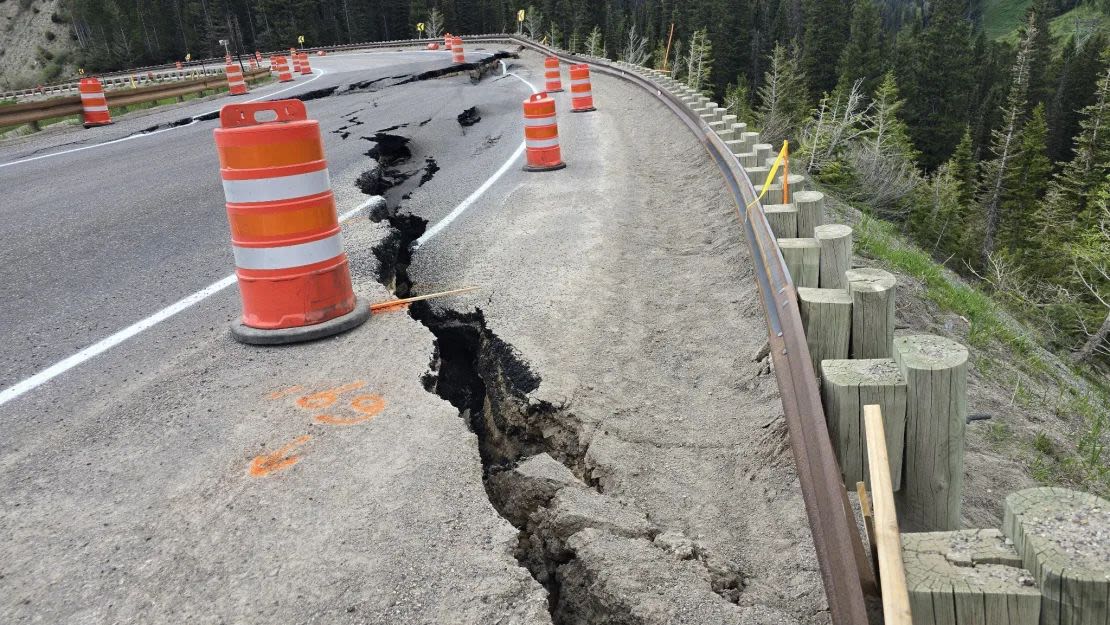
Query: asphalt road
(98, 239)
(182, 477)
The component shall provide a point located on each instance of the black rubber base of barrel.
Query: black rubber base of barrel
(553, 90)
(583, 110)
(548, 168)
(97, 124)
(284, 336)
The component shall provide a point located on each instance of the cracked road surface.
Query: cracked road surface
(598, 445)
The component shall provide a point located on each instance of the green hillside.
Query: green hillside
(1001, 19)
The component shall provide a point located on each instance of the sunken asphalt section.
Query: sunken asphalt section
(588, 439)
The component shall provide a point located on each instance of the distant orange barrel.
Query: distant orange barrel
(258, 56)
(293, 273)
(94, 105)
(321, 53)
(295, 59)
(541, 134)
(553, 79)
(235, 83)
(581, 95)
(177, 64)
(433, 46)
(279, 65)
(306, 68)
(254, 63)
(457, 50)
(448, 39)
(227, 59)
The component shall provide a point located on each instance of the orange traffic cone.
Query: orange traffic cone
(541, 134)
(554, 81)
(457, 50)
(235, 83)
(94, 105)
(294, 277)
(581, 97)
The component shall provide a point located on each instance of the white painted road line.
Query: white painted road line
(156, 132)
(53, 371)
(473, 197)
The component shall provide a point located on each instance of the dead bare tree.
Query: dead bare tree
(1090, 266)
(837, 122)
(434, 27)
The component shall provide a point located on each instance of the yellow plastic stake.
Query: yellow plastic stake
(770, 176)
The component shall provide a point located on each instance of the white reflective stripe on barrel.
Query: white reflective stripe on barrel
(99, 95)
(534, 122)
(276, 189)
(88, 108)
(542, 143)
(288, 256)
(580, 81)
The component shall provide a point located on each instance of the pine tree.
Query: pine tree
(862, 58)
(1075, 90)
(999, 173)
(939, 212)
(699, 61)
(886, 132)
(964, 168)
(1040, 65)
(1017, 226)
(594, 44)
(934, 82)
(783, 98)
(826, 34)
(738, 100)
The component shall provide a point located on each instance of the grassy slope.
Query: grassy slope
(1001, 19)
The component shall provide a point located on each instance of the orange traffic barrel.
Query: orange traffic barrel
(554, 81)
(235, 83)
(581, 97)
(227, 59)
(294, 278)
(541, 134)
(296, 60)
(281, 66)
(94, 105)
(258, 56)
(254, 63)
(448, 39)
(457, 50)
(433, 46)
(177, 64)
(305, 67)
(321, 53)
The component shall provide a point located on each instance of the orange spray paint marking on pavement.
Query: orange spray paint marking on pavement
(279, 460)
(368, 405)
(325, 398)
(285, 391)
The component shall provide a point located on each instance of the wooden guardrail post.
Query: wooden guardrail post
(872, 312)
(836, 254)
(827, 317)
(935, 370)
(1063, 537)
(811, 210)
(783, 219)
(803, 260)
(847, 387)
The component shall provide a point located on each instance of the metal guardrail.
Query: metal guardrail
(33, 112)
(835, 534)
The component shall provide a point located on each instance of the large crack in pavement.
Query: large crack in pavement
(573, 537)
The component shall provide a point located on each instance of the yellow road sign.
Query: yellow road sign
(520, 15)
(188, 57)
(420, 26)
(300, 38)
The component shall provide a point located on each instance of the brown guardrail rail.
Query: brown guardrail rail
(32, 112)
